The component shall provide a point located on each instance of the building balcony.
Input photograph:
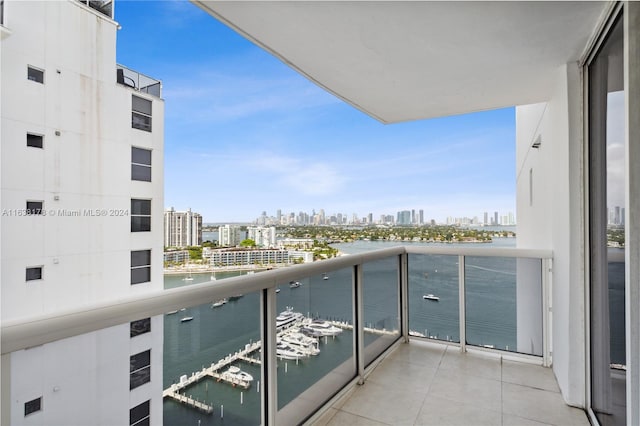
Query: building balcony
(406, 335)
(138, 81)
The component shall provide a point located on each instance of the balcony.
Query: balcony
(452, 331)
(138, 81)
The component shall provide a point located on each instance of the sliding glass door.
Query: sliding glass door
(607, 202)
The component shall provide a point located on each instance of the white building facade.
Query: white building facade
(229, 236)
(82, 197)
(182, 229)
(264, 237)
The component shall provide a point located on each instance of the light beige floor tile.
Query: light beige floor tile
(443, 412)
(401, 375)
(540, 405)
(458, 385)
(347, 419)
(534, 376)
(419, 353)
(326, 417)
(471, 364)
(376, 401)
(511, 420)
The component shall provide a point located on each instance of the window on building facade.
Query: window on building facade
(140, 266)
(35, 141)
(140, 215)
(140, 414)
(34, 273)
(35, 74)
(140, 327)
(35, 207)
(140, 164)
(139, 369)
(32, 406)
(141, 113)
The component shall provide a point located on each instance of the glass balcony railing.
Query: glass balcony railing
(272, 347)
(138, 81)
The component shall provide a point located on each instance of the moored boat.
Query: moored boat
(288, 317)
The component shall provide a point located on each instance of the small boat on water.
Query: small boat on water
(277, 290)
(218, 303)
(235, 297)
(186, 319)
(431, 297)
(294, 284)
(172, 312)
(236, 372)
(325, 276)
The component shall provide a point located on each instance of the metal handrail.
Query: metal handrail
(24, 333)
(29, 332)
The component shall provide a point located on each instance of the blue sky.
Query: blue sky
(244, 133)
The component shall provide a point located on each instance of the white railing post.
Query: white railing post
(359, 321)
(462, 304)
(546, 311)
(269, 372)
(403, 281)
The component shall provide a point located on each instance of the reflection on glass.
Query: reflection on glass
(315, 341)
(433, 297)
(490, 296)
(607, 201)
(381, 305)
(208, 353)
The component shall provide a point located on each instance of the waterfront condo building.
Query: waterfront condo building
(264, 236)
(182, 229)
(229, 236)
(82, 202)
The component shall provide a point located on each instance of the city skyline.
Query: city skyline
(244, 130)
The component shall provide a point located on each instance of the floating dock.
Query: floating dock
(217, 371)
(187, 400)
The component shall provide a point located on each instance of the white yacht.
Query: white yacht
(288, 317)
(218, 303)
(431, 297)
(237, 373)
(297, 340)
(285, 351)
(325, 328)
(186, 319)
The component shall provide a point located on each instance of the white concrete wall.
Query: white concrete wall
(555, 219)
(86, 167)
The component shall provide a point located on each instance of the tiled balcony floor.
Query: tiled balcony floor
(422, 383)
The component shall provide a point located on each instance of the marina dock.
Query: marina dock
(218, 371)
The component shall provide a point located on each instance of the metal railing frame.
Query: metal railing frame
(25, 333)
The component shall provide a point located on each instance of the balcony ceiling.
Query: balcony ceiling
(400, 61)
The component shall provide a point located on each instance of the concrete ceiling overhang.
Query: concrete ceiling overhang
(400, 61)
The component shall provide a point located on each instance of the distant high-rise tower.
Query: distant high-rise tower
(495, 218)
(182, 229)
(486, 218)
(263, 236)
(421, 215)
(228, 236)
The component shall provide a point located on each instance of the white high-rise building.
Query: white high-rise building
(82, 201)
(263, 236)
(182, 229)
(228, 236)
